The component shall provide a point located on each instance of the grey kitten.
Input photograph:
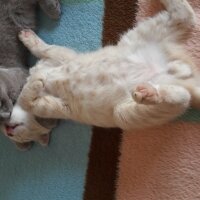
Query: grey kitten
(16, 15)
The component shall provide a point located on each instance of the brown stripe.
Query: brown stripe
(119, 17)
(104, 151)
(101, 174)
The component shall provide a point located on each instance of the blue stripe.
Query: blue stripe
(57, 172)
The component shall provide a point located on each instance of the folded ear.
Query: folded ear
(44, 139)
(51, 8)
(46, 123)
(24, 146)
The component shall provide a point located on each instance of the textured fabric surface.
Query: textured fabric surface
(163, 163)
(105, 164)
(57, 172)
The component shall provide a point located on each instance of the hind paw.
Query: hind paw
(146, 94)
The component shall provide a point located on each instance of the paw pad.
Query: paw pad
(146, 94)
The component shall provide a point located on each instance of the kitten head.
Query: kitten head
(23, 128)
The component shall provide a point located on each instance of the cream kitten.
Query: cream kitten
(143, 81)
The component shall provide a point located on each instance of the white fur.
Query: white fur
(29, 129)
(18, 115)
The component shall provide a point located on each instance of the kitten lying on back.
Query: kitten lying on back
(143, 81)
(16, 15)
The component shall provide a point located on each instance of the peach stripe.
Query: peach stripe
(161, 164)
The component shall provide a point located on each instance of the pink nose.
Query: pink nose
(10, 128)
(9, 131)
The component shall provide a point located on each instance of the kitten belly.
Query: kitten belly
(95, 103)
(93, 91)
(93, 98)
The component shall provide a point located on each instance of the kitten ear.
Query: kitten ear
(24, 146)
(47, 123)
(51, 7)
(44, 139)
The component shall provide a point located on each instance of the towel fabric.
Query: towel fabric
(106, 164)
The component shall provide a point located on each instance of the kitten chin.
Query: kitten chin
(22, 122)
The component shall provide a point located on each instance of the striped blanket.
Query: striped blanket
(92, 163)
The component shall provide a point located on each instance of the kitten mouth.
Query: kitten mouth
(10, 129)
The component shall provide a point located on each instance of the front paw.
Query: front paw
(180, 69)
(30, 93)
(37, 85)
(28, 37)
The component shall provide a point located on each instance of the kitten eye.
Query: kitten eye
(2, 105)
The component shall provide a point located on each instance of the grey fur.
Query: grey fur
(16, 15)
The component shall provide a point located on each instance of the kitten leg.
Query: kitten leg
(51, 8)
(30, 92)
(41, 49)
(44, 106)
(167, 94)
(194, 91)
(171, 25)
(180, 11)
(50, 107)
(195, 97)
(180, 69)
(152, 106)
